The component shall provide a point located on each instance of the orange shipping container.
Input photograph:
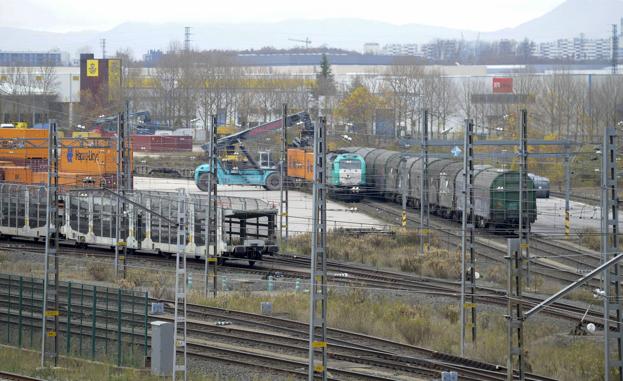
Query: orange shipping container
(296, 163)
(34, 146)
(16, 174)
(76, 180)
(79, 158)
(309, 166)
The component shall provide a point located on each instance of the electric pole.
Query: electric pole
(283, 184)
(524, 202)
(212, 213)
(567, 163)
(514, 314)
(609, 250)
(424, 213)
(467, 237)
(187, 38)
(179, 318)
(103, 45)
(615, 48)
(49, 337)
(318, 279)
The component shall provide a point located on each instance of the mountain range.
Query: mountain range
(593, 18)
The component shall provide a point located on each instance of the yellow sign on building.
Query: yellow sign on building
(114, 79)
(92, 68)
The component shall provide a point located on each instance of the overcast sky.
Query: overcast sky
(72, 15)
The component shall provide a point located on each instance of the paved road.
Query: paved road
(551, 214)
(300, 203)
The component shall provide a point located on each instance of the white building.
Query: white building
(371, 48)
(401, 49)
(579, 48)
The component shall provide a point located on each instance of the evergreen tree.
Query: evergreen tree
(324, 79)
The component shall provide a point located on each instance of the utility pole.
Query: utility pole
(283, 184)
(424, 213)
(515, 315)
(404, 187)
(615, 48)
(567, 163)
(609, 250)
(103, 45)
(467, 236)
(212, 213)
(49, 337)
(127, 150)
(186, 79)
(124, 183)
(187, 38)
(524, 202)
(318, 279)
(179, 321)
(119, 182)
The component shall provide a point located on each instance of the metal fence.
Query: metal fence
(95, 322)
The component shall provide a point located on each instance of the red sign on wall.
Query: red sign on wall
(502, 85)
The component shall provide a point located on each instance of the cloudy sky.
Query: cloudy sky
(73, 15)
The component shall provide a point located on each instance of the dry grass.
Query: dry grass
(589, 237)
(27, 363)
(400, 251)
(100, 271)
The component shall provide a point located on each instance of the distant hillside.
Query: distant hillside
(591, 17)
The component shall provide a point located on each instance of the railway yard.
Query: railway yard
(243, 342)
(413, 286)
(442, 211)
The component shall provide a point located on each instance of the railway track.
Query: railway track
(8, 376)
(280, 345)
(341, 275)
(493, 247)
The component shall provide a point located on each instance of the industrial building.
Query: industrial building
(51, 58)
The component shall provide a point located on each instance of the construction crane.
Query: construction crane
(306, 41)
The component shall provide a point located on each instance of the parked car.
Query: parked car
(541, 185)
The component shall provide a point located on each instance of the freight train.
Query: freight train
(245, 226)
(496, 191)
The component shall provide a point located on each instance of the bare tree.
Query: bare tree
(406, 84)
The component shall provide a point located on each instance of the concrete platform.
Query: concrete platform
(551, 215)
(300, 204)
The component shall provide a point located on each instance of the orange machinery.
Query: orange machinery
(82, 161)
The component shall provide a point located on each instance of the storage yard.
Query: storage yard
(440, 210)
(247, 242)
